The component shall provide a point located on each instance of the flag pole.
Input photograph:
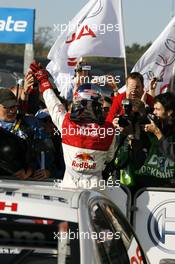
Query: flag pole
(125, 61)
(172, 8)
(125, 68)
(171, 84)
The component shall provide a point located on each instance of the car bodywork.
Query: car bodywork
(82, 212)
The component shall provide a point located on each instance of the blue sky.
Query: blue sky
(143, 19)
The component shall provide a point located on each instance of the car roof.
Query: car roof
(31, 194)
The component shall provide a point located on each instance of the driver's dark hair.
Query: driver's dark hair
(136, 75)
(167, 100)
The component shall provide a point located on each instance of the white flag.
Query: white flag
(97, 30)
(158, 60)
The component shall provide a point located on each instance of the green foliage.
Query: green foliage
(12, 49)
(134, 53)
(43, 41)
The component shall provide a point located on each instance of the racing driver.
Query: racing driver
(88, 140)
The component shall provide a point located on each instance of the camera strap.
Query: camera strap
(16, 126)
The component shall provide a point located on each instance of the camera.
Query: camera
(128, 114)
(135, 117)
(127, 106)
(152, 117)
(158, 79)
(147, 119)
(83, 66)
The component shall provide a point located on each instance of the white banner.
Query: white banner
(155, 224)
(97, 30)
(158, 60)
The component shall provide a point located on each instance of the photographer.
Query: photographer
(159, 166)
(134, 90)
(133, 141)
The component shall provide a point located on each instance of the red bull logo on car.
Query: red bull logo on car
(83, 161)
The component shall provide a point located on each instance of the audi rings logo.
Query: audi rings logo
(161, 226)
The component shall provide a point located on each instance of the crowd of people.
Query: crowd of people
(128, 135)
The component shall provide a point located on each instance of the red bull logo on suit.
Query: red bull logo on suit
(83, 161)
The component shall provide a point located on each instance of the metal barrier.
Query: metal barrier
(154, 223)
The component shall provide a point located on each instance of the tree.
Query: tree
(134, 53)
(43, 41)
